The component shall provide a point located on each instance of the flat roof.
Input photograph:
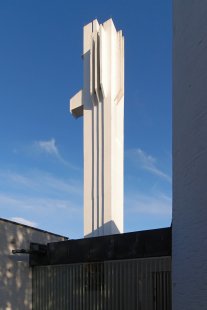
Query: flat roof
(140, 244)
(31, 227)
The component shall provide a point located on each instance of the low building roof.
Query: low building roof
(31, 227)
(140, 244)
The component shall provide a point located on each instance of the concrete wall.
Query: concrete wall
(190, 155)
(15, 274)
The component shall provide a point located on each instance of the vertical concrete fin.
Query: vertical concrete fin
(122, 64)
(97, 68)
(87, 31)
(103, 61)
(92, 65)
(120, 69)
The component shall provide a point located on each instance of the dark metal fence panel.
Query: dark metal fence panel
(136, 284)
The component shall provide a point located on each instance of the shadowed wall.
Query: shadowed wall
(189, 262)
(15, 274)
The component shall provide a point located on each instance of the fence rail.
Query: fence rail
(136, 284)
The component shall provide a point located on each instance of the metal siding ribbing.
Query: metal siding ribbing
(138, 284)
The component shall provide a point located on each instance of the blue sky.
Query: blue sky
(41, 154)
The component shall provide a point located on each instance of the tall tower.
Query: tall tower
(101, 103)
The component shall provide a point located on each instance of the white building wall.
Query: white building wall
(190, 155)
(15, 274)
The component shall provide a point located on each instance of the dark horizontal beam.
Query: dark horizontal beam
(141, 244)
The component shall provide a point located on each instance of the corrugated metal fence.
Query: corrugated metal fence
(141, 284)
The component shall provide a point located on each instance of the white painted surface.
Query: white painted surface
(190, 155)
(76, 105)
(103, 117)
(15, 274)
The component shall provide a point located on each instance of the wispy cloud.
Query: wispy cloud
(49, 147)
(62, 216)
(38, 192)
(23, 221)
(16, 178)
(148, 163)
(41, 197)
(41, 181)
(40, 206)
(157, 204)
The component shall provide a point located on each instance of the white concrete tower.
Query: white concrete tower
(101, 103)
